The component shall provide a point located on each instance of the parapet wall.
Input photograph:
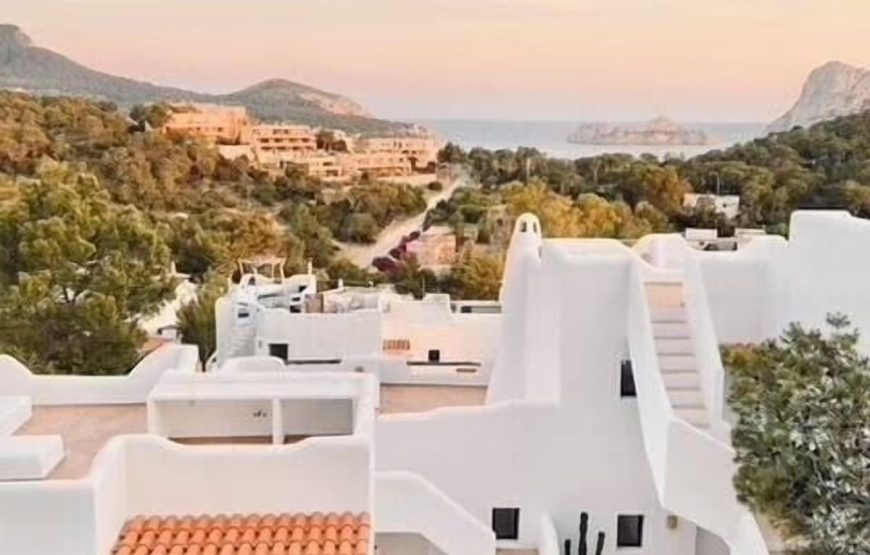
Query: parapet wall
(17, 379)
(146, 474)
(827, 268)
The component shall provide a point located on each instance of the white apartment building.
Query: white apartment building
(280, 138)
(400, 340)
(211, 122)
(343, 422)
(420, 150)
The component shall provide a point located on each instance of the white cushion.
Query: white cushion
(29, 457)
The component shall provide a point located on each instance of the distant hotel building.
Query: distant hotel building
(279, 139)
(421, 152)
(278, 146)
(212, 122)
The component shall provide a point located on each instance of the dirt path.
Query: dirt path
(391, 236)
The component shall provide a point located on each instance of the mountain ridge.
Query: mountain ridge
(29, 67)
(831, 90)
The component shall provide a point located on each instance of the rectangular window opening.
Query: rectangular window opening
(626, 380)
(629, 531)
(280, 350)
(506, 523)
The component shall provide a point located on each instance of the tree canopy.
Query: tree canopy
(79, 272)
(95, 208)
(824, 166)
(197, 322)
(803, 435)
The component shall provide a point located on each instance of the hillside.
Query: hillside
(832, 90)
(25, 66)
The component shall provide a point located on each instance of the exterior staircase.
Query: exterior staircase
(676, 356)
(678, 394)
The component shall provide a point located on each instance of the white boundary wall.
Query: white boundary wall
(388, 370)
(755, 292)
(317, 474)
(17, 379)
(827, 268)
(265, 401)
(745, 289)
(145, 474)
(314, 336)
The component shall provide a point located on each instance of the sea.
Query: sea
(550, 137)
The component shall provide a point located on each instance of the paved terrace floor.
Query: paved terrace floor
(85, 430)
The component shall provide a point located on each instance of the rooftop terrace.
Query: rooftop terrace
(85, 429)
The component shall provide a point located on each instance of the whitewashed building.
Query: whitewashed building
(316, 432)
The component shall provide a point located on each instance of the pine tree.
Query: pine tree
(79, 272)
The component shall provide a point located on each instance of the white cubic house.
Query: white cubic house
(358, 421)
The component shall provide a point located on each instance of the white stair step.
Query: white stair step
(696, 417)
(673, 346)
(686, 398)
(671, 329)
(681, 380)
(674, 361)
(668, 315)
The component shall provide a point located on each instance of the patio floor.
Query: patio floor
(421, 398)
(85, 429)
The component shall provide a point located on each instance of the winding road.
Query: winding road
(391, 236)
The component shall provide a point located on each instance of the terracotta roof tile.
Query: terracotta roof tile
(269, 534)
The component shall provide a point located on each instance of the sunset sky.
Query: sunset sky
(699, 60)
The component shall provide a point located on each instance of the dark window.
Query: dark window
(279, 350)
(626, 380)
(506, 523)
(629, 530)
(465, 310)
(434, 355)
